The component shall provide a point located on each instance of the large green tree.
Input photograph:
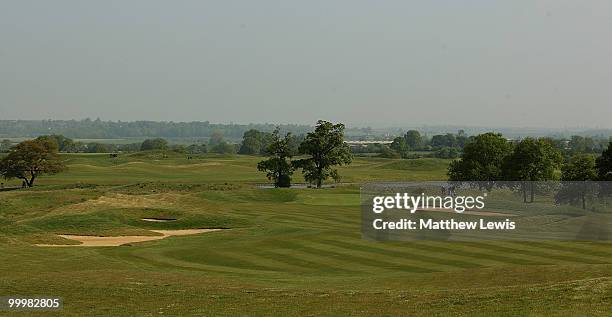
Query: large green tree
(30, 159)
(442, 140)
(154, 144)
(575, 175)
(196, 149)
(413, 139)
(532, 160)
(604, 170)
(278, 166)
(255, 142)
(604, 164)
(580, 167)
(64, 144)
(326, 148)
(400, 146)
(482, 160)
(580, 144)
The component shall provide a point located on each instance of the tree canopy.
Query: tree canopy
(154, 144)
(399, 145)
(326, 148)
(579, 168)
(278, 167)
(482, 160)
(532, 160)
(604, 164)
(413, 139)
(574, 174)
(30, 159)
(255, 142)
(604, 169)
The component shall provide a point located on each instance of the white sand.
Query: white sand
(157, 220)
(95, 241)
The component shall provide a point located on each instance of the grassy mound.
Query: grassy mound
(293, 252)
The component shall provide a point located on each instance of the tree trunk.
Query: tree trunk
(524, 192)
(532, 188)
(583, 195)
(30, 182)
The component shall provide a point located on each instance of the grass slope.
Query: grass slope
(295, 252)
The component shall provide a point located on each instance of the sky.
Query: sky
(519, 63)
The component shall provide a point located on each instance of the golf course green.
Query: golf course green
(285, 252)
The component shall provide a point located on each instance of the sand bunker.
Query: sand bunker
(157, 219)
(472, 212)
(95, 241)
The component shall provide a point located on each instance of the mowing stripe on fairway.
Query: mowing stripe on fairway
(308, 265)
(404, 255)
(552, 252)
(385, 257)
(588, 248)
(327, 260)
(354, 259)
(457, 248)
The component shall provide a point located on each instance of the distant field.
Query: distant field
(12, 139)
(100, 169)
(107, 141)
(184, 141)
(111, 141)
(292, 252)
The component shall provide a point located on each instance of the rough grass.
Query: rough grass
(293, 252)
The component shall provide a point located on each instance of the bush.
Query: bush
(447, 153)
(387, 152)
(154, 144)
(224, 148)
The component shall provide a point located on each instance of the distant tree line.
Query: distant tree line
(30, 159)
(447, 145)
(68, 145)
(413, 144)
(99, 129)
(255, 142)
(486, 158)
(489, 159)
(319, 152)
(216, 144)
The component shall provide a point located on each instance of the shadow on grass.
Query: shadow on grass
(6, 189)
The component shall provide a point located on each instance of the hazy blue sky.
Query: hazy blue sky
(380, 63)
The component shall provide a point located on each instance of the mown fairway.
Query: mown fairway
(292, 252)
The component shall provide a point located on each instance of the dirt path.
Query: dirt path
(95, 241)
